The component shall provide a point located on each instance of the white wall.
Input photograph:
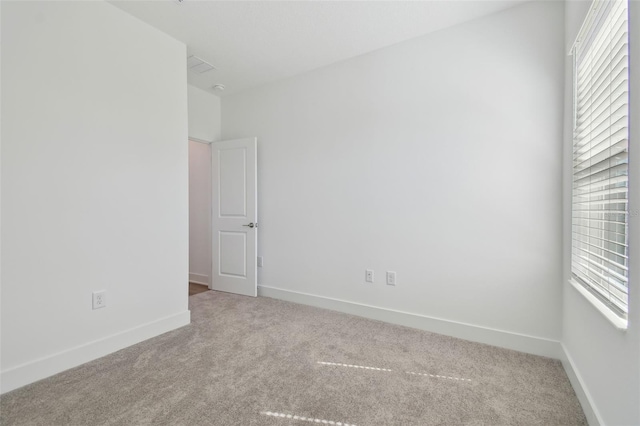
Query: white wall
(94, 184)
(438, 158)
(199, 212)
(605, 360)
(204, 114)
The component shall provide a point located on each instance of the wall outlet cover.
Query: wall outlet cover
(368, 275)
(391, 278)
(99, 299)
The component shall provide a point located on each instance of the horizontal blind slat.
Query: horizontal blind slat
(595, 116)
(603, 270)
(602, 280)
(607, 158)
(604, 250)
(602, 93)
(619, 170)
(587, 185)
(606, 113)
(618, 265)
(607, 71)
(595, 143)
(615, 20)
(591, 69)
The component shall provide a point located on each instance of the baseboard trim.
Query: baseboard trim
(39, 369)
(199, 279)
(504, 339)
(586, 401)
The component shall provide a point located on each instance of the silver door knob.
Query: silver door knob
(251, 225)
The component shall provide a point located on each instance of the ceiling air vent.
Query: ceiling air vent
(199, 66)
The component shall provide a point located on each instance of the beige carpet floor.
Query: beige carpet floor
(256, 361)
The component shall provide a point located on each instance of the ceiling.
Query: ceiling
(256, 42)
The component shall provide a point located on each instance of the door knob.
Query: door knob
(251, 225)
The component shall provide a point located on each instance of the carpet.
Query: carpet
(258, 361)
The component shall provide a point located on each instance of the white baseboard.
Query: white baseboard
(589, 408)
(504, 339)
(199, 279)
(39, 369)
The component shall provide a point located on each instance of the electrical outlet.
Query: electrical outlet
(391, 278)
(368, 275)
(260, 261)
(99, 299)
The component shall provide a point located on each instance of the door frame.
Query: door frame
(209, 210)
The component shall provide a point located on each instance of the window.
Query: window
(599, 252)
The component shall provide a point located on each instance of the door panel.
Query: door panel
(233, 253)
(234, 216)
(233, 183)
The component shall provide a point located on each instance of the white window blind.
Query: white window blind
(599, 255)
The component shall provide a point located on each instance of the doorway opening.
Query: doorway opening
(223, 226)
(199, 216)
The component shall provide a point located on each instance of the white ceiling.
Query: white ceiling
(256, 42)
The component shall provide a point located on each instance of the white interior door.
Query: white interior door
(234, 216)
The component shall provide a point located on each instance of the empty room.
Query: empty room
(353, 213)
